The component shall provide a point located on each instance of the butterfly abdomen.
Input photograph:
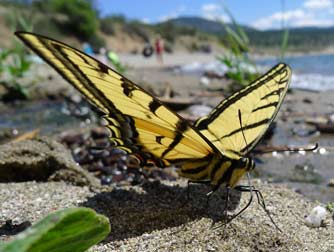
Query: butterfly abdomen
(219, 170)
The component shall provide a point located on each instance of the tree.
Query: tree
(81, 16)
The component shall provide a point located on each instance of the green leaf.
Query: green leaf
(69, 230)
(284, 45)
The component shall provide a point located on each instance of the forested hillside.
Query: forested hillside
(67, 21)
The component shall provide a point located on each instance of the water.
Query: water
(307, 64)
(51, 118)
(310, 72)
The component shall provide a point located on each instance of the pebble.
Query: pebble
(331, 182)
(204, 81)
(94, 153)
(316, 217)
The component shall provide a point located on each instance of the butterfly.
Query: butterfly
(215, 149)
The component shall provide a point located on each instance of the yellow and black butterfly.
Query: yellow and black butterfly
(214, 149)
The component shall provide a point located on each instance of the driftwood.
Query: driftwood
(177, 104)
(281, 148)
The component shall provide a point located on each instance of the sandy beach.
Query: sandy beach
(155, 216)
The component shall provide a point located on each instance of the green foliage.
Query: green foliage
(96, 42)
(284, 45)
(13, 65)
(330, 207)
(69, 230)
(137, 28)
(301, 39)
(81, 18)
(107, 25)
(14, 62)
(236, 59)
(170, 31)
(18, 20)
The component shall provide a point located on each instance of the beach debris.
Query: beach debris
(27, 135)
(12, 228)
(208, 93)
(199, 110)
(204, 81)
(324, 124)
(262, 149)
(313, 120)
(200, 68)
(178, 103)
(190, 118)
(317, 217)
(213, 75)
(325, 128)
(331, 182)
(6, 134)
(304, 130)
(307, 100)
(322, 151)
(167, 92)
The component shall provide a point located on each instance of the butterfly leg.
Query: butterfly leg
(228, 220)
(251, 189)
(227, 199)
(204, 182)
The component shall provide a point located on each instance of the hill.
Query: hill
(123, 35)
(204, 25)
(300, 39)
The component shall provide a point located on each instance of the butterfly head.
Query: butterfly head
(248, 163)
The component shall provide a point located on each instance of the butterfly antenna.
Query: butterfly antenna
(242, 129)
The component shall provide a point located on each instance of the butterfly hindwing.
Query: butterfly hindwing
(248, 112)
(139, 123)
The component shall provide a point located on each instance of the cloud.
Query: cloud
(167, 17)
(146, 20)
(214, 11)
(174, 14)
(313, 22)
(318, 4)
(211, 7)
(275, 20)
(307, 15)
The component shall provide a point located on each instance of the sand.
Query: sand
(157, 216)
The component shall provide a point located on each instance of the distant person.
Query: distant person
(87, 48)
(159, 49)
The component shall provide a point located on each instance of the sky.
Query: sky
(260, 14)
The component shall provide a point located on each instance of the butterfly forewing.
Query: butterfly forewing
(139, 123)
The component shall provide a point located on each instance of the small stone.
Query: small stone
(331, 182)
(204, 81)
(307, 100)
(99, 132)
(106, 180)
(316, 217)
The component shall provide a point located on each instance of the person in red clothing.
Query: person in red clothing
(159, 48)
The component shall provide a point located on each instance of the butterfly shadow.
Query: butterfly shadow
(155, 206)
